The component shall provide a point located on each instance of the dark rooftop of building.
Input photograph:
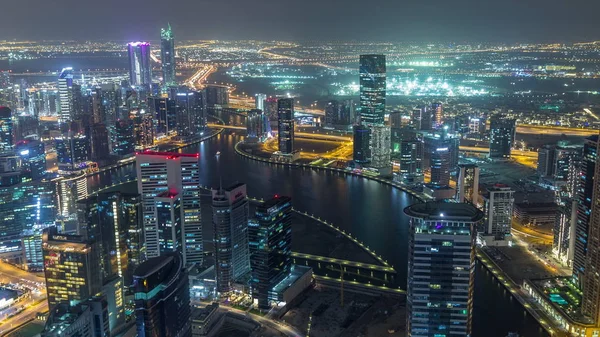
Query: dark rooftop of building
(435, 210)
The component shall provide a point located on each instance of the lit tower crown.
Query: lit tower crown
(167, 56)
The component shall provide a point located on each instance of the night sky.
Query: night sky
(384, 20)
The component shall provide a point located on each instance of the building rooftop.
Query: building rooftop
(201, 314)
(152, 265)
(291, 278)
(63, 316)
(564, 295)
(169, 155)
(444, 211)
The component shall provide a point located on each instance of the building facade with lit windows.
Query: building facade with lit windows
(167, 56)
(372, 76)
(230, 214)
(6, 129)
(467, 187)
(498, 204)
(115, 221)
(270, 238)
(584, 206)
(33, 158)
(72, 152)
(441, 261)
(140, 67)
(65, 95)
(286, 124)
(175, 173)
(502, 136)
(71, 268)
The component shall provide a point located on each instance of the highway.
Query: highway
(14, 275)
(555, 130)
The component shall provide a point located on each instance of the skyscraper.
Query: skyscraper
(339, 114)
(440, 166)
(285, 118)
(372, 89)
(71, 151)
(411, 160)
(122, 138)
(381, 149)
(270, 235)
(258, 126)
(33, 158)
(590, 303)
(259, 101)
(191, 112)
(65, 95)
(585, 192)
(545, 164)
(230, 221)
(162, 297)
(498, 204)
(437, 110)
(143, 129)
(114, 221)
(441, 259)
(177, 174)
(140, 68)
(502, 136)
(99, 142)
(467, 187)
(71, 267)
(563, 243)
(6, 129)
(167, 56)
(362, 139)
(421, 118)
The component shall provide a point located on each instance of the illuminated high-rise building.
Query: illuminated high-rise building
(122, 138)
(585, 190)
(165, 115)
(339, 114)
(71, 151)
(258, 126)
(286, 123)
(6, 129)
(362, 139)
(440, 166)
(33, 158)
(167, 56)
(565, 227)
(498, 204)
(65, 95)
(437, 112)
(591, 277)
(467, 187)
(69, 189)
(114, 220)
(259, 101)
(411, 160)
(440, 289)
(162, 297)
(230, 212)
(372, 89)
(381, 149)
(140, 68)
(143, 128)
(71, 268)
(178, 175)
(502, 136)
(191, 112)
(270, 235)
